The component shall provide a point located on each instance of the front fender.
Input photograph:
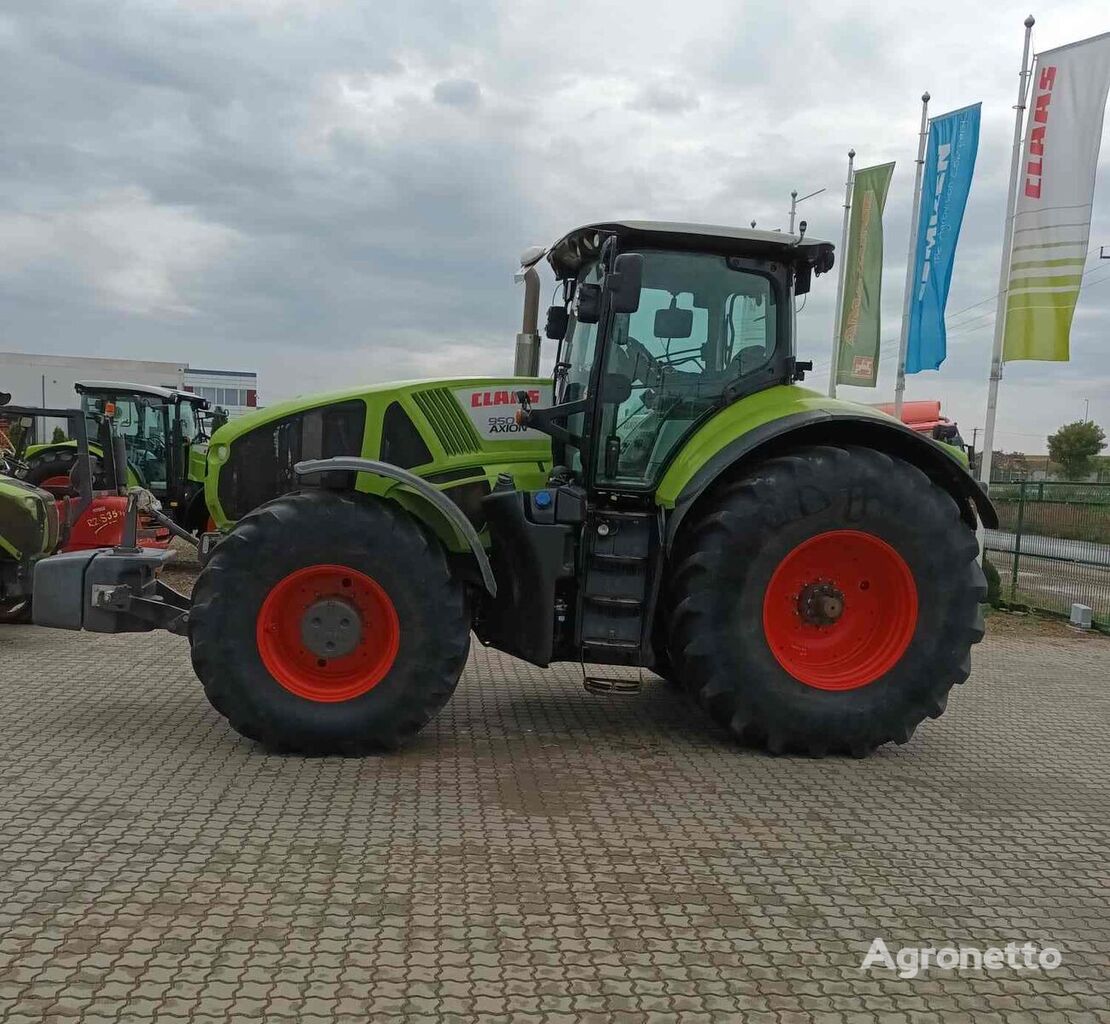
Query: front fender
(450, 512)
(840, 424)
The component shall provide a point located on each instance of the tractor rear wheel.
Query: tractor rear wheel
(329, 624)
(51, 470)
(826, 602)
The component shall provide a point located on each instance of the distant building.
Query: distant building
(233, 390)
(44, 380)
(48, 380)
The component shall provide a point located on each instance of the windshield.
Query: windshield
(142, 423)
(190, 427)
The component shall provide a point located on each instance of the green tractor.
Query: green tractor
(670, 499)
(165, 433)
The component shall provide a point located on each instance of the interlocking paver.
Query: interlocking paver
(539, 854)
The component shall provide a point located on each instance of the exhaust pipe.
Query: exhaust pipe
(527, 361)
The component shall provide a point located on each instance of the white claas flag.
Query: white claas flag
(1052, 223)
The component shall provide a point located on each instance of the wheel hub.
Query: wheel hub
(331, 628)
(840, 610)
(328, 632)
(820, 604)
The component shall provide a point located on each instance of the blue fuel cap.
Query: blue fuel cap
(542, 499)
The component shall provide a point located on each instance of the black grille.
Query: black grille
(261, 463)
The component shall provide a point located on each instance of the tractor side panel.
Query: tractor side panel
(457, 434)
(198, 461)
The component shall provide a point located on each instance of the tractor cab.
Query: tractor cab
(158, 426)
(661, 325)
(165, 433)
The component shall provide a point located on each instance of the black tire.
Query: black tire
(724, 563)
(15, 612)
(60, 462)
(370, 536)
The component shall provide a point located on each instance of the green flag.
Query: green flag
(858, 358)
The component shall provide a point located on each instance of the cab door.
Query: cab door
(707, 332)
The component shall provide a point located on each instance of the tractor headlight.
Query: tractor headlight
(221, 452)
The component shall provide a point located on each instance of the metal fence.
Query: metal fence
(1052, 547)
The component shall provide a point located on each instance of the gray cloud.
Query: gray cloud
(656, 98)
(458, 92)
(290, 187)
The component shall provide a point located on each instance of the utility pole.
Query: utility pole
(795, 202)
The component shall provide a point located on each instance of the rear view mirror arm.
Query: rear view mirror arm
(544, 420)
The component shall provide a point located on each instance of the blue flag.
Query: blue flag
(949, 165)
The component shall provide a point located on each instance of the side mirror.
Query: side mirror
(803, 278)
(587, 303)
(623, 283)
(674, 323)
(558, 320)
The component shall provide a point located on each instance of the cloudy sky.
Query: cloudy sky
(330, 192)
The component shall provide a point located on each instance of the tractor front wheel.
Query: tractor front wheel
(328, 624)
(826, 602)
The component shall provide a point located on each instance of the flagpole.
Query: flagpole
(840, 279)
(911, 257)
(1004, 264)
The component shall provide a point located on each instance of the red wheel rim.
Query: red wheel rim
(873, 588)
(366, 645)
(60, 483)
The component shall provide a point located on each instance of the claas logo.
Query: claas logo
(1034, 168)
(479, 399)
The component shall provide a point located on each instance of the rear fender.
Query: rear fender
(441, 515)
(820, 426)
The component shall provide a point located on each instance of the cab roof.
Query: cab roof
(582, 244)
(116, 387)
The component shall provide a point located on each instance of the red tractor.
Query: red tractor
(36, 523)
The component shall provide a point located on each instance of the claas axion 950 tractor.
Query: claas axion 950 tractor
(671, 498)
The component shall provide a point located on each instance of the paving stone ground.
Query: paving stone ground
(543, 855)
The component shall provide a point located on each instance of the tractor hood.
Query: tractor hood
(450, 429)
